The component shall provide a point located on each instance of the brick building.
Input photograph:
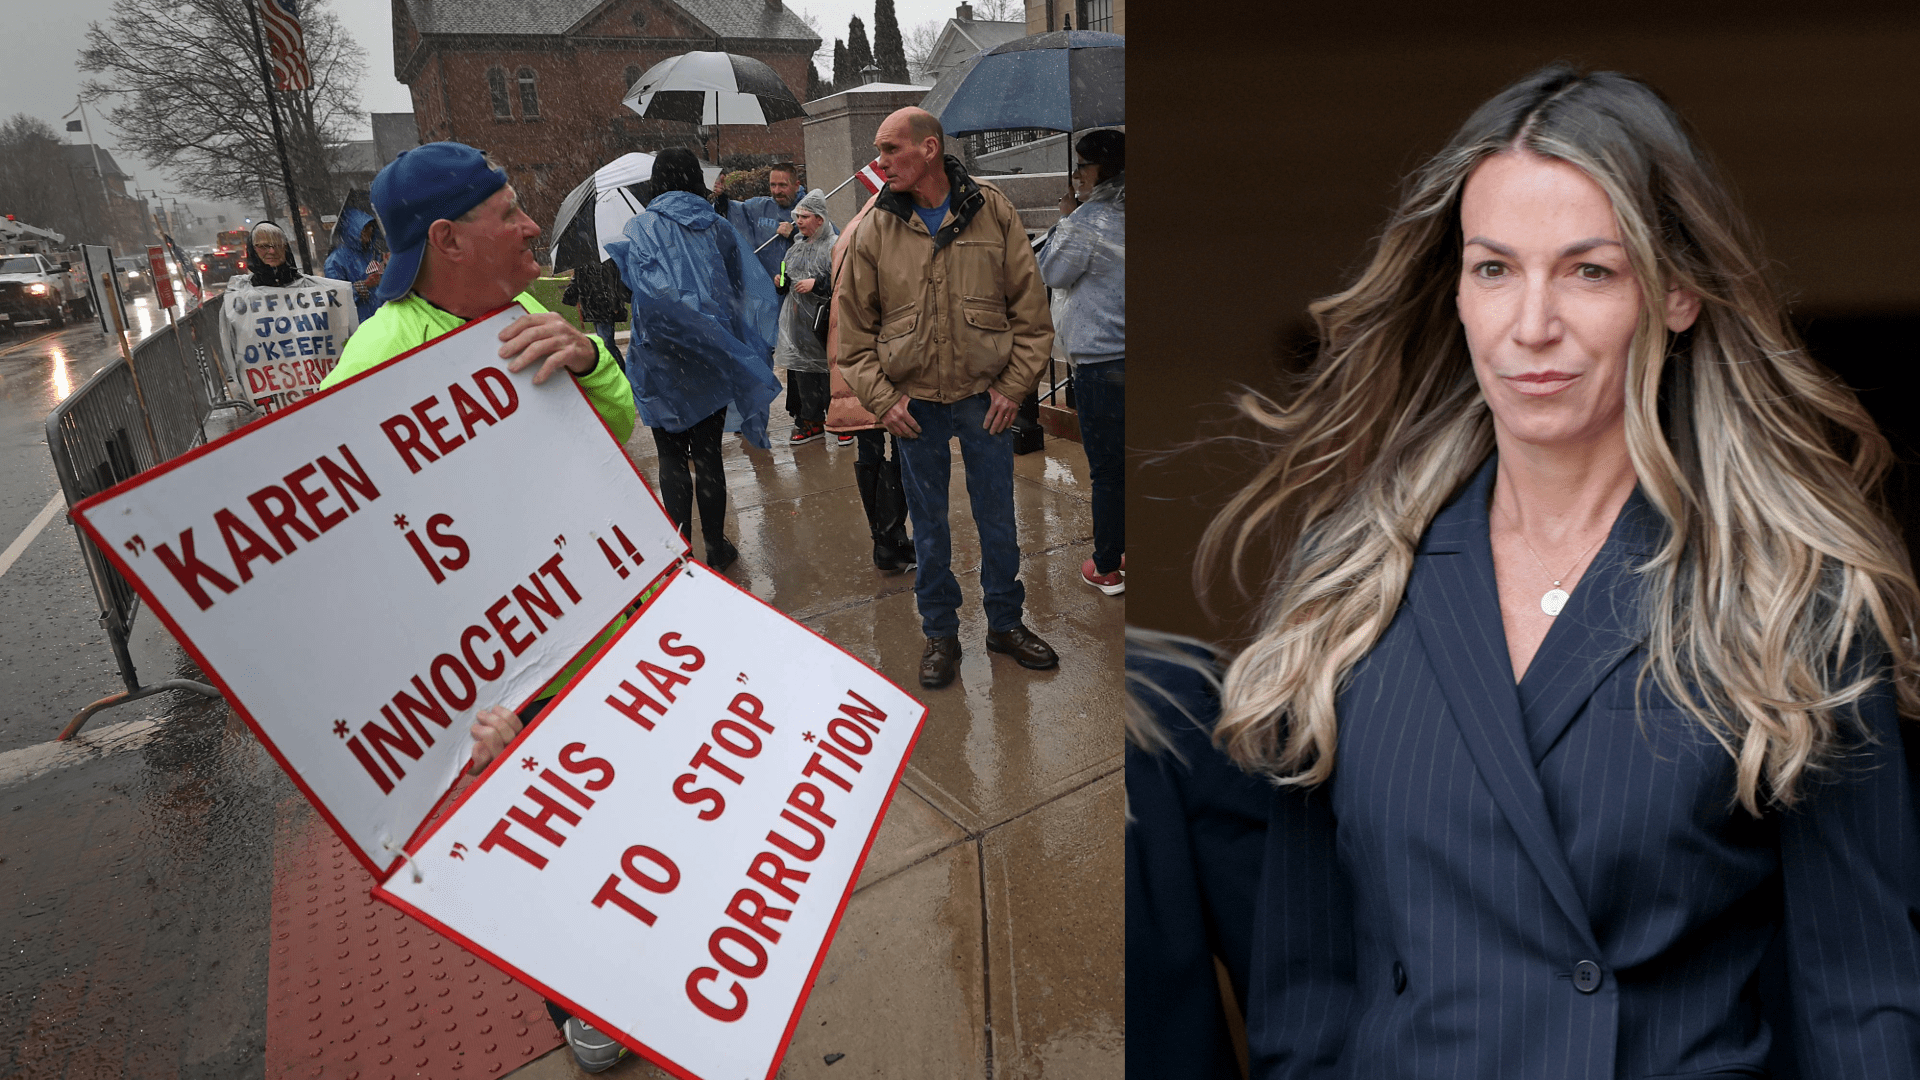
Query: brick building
(538, 86)
(1107, 15)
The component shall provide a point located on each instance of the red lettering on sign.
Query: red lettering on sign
(638, 700)
(827, 745)
(497, 837)
(717, 804)
(751, 910)
(243, 544)
(470, 635)
(366, 762)
(471, 412)
(551, 568)
(716, 948)
(381, 738)
(404, 434)
(425, 706)
(532, 604)
(695, 658)
(788, 846)
(311, 500)
(569, 760)
(703, 757)
(811, 801)
(188, 570)
(515, 645)
(748, 708)
(426, 557)
(770, 870)
(611, 891)
(566, 788)
(433, 424)
(815, 768)
(343, 481)
(867, 714)
(469, 690)
(749, 747)
(281, 517)
(663, 680)
(726, 1014)
(437, 532)
(550, 808)
(507, 401)
(844, 731)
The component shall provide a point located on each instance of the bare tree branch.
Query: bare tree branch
(180, 84)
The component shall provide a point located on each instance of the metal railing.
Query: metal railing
(146, 407)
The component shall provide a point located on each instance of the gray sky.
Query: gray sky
(44, 40)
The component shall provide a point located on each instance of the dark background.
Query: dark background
(1269, 144)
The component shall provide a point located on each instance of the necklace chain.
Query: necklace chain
(1542, 562)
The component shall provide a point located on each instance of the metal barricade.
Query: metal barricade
(123, 421)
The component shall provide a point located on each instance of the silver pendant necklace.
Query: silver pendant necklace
(1554, 600)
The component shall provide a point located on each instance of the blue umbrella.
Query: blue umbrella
(1066, 80)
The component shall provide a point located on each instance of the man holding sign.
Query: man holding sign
(462, 248)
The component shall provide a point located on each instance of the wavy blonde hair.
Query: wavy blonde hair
(1779, 558)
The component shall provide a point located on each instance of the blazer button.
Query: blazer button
(1586, 976)
(1399, 978)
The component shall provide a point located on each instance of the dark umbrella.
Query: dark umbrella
(713, 88)
(1065, 80)
(598, 209)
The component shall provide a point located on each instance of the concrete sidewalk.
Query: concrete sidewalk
(984, 938)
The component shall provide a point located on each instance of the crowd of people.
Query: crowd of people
(925, 320)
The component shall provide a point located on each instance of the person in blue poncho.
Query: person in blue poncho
(766, 221)
(352, 259)
(704, 325)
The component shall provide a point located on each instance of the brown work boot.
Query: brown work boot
(940, 662)
(1023, 645)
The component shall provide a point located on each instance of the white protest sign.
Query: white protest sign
(364, 571)
(667, 850)
(281, 341)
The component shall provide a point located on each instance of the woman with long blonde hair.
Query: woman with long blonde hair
(1583, 673)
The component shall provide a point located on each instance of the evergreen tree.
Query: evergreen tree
(889, 52)
(859, 53)
(843, 78)
(816, 87)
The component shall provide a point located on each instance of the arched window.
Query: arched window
(633, 75)
(529, 96)
(497, 86)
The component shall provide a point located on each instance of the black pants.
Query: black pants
(807, 394)
(698, 446)
(878, 477)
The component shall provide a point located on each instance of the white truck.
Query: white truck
(35, 286)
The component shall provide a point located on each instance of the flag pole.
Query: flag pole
(297, 227)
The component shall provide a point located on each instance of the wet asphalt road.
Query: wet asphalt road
(136, 884)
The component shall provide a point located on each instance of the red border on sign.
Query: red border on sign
(833, 924)
(80, 511)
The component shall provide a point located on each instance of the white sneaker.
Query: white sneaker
(593, 1050)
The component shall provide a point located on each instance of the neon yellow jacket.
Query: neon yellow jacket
(410, 322)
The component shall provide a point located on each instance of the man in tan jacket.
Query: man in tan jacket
(943, 330)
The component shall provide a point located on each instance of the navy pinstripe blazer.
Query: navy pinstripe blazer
(1538, 882)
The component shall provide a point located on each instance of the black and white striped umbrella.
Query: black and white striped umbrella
(713, 88)
(598, 209)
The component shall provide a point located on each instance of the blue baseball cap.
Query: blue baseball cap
(423, 185)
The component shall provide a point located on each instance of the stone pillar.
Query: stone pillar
(839, 138)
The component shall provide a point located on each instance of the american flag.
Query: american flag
(871, 177)
(286, 45)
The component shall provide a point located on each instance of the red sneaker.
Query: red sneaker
(1112, 584)
(805, 433)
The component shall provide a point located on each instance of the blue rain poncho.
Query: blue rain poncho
(350, 258)
(704, 317)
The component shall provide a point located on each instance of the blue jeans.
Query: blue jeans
(924, 468)
(605, 330)
(1100, 396)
